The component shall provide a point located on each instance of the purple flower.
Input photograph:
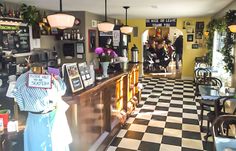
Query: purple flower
(113, 54)
(99, 50)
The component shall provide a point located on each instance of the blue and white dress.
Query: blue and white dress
(49, 131)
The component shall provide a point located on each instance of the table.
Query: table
(222, 144)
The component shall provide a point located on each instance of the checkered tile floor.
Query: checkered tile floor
(167, 119)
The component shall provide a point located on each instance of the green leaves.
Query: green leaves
(30, 14)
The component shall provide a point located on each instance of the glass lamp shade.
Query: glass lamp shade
(105, 26)
(232, 28)
(61, 20)
(126, 29)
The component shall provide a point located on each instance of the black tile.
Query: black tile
(176, 105)
(189, 91)
(173, 125)
(190, 121)
(146, 92)
(180, 93)
(156, 91)
(191, 135)
(189, 96)
(189, 111)
(116, 141)
(152, 84)
(208, 145)
(153, 96)
(143, 98)
(134, 135)
(171, 140)
(145, 110)
(178, 88)
(154, 130)
(176, 98)
(123, 149)
(167, 89)
(139, 105)
(161, 108)
(189, 149)
(149, 88)
(188, 86)
(140, 121)
(150, 103)
(166, 94)
(148, 146)
(164, 101)
(189, 103)
(175, 114)
(126, 126)
(158, 118)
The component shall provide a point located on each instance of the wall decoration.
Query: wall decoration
(79, 47)
(190, 29)
(163, 22)
(92, 34)
(195, 46)
(85, 74)
(190, 38)
(77, 22)
(199, 30)
(116, 37)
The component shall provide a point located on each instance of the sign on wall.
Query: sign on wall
(164, 22)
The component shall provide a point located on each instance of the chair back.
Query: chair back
(200, 75)
(214, 82)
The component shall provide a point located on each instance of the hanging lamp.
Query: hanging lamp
(232, 28)
(61, 20)
(105, 26)
(126, 29)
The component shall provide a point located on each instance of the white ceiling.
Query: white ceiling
(138, 8)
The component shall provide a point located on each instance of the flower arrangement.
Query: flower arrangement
(105, 54)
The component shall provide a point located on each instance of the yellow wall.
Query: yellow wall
(189, 54)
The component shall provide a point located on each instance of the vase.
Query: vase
(104, 69)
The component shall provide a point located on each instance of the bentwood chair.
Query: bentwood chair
(207, 105)
(220, 128)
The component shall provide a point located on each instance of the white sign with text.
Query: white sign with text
(40, 81)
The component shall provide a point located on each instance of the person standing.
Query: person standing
(178, 50)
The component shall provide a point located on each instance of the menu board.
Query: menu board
(85, 74)
(74, 77)
(14, 39)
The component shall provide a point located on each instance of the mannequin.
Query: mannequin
(44, 130)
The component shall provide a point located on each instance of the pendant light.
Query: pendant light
(61, 20)
(126, 29)
(232, 28)
(105, 26)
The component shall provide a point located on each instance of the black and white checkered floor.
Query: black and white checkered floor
(167, 119)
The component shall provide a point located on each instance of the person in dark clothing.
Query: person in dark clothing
(161, 54)
(178, 50)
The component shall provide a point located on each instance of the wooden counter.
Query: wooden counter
(97, 113)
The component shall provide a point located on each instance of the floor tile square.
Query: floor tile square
(192, 143)
(129, 143)
(137, 128)
(190, 107)
(172, 132)
(154, 123)
(116, 141)
(145, 110)
(190, 121)
(130, 120)
(165, 97)
(174, 109)
(173, 119)
(175, 114)
(173, 125)
(121, 133)
(158, 118)
(150, 103)
(150, 137)
(134, 135)
(171, 140)
(148, 146)
(146, 116)
(141, 121)
(192, 135)
(164, 101)
(149, 107)
(190, 116)
(190, 111)
(176, 102)
(190, 127)
(165, 147)
(176, 105)
(154, 130)
(161, 108)
(126, 126)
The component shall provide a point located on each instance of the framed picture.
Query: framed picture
(80, 47)
(85, 74)
(195, 46)
(74, 77)
(198, 35)
(92, 35)
(190, 38)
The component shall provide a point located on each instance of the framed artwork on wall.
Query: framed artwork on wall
(190, 38)
(92, 36)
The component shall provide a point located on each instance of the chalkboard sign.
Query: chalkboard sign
(164, 22)
(40, 81)
(74, 77)
(85, 74)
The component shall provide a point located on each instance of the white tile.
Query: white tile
(172, 132)
(174, 119)
(176, 102)
(162, 113)
(146, 116)
(155, 123)
(190, 116)
(188, 99)
(129, 143)
(165, 147)
(152, 99)
(150, 107)
(178, 90)
(149, 137)
(190, 127)
(165, 97)
(163, 104)
(130, 120)
(192, 143)
(175, 109)
(167, 92)
(121, 133)
(138, 127)
(177, 95)
(193, 107)
(111, 148)
(189, 94)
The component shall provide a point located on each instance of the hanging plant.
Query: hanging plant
(30, 14)
(229, 42)
(214, 25)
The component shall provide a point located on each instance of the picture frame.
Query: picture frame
(199, 35)
(92, 36)
(195, 46)
(74, 77)
(79, 47)
(190, 38)
(85, 74)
